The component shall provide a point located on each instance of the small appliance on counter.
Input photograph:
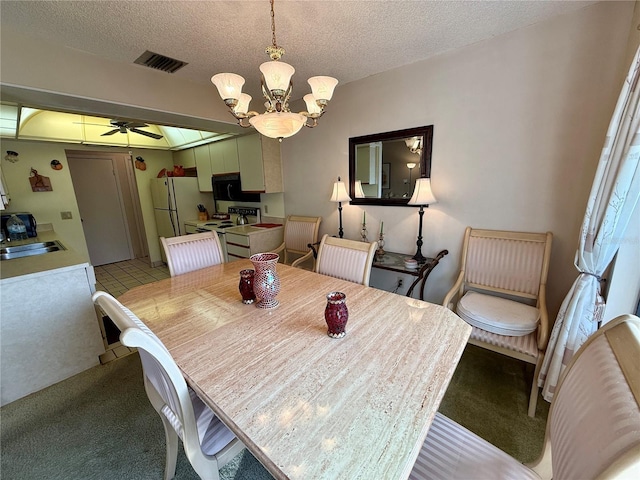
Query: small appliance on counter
(28, 220)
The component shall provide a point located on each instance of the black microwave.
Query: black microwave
(227, 187)
(28, 220)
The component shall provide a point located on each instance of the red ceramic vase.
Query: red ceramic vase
(246, 286)
(266, 283)
(336, 314)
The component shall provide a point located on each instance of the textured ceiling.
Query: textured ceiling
(349, 40)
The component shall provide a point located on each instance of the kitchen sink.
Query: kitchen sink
(29, 249)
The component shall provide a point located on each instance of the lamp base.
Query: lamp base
(418, 257)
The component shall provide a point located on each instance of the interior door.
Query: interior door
(101, 209)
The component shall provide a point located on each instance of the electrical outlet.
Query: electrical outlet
(266, 209)
(66, 215)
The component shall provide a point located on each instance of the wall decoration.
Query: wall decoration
(56, 165)
(11, 156)
(140, 165)
(39, 183)
(385, 175)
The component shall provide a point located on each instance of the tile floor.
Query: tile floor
(116, 279)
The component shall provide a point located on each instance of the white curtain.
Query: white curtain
(614, 195)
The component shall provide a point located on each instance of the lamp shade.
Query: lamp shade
(339, 193)
(229, 85)
(359, 191)
(278, 124)
(277, 75)
(312, 106)
(410, 165)
(322, 87)
(243, 104)
(422, 194)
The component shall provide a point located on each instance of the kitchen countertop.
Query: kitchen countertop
(19, 267)
(250, 229)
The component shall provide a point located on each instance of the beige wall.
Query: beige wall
(518, 120)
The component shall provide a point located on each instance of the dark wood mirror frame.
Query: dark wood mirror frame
(425, 132)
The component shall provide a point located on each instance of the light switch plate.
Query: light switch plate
(66, 215)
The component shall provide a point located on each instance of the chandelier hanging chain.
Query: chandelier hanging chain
(274, 51)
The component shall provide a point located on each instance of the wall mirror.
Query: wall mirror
(383, 167)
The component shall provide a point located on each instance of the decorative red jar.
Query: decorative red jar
(246, 285)
(336, 314)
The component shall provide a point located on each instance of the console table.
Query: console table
(394, 262)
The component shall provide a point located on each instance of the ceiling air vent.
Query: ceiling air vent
(159, 62)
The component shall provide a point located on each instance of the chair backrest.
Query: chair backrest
(515, 264)
(159, 368)
(594, 420)
(299, 232)
(346, 259)
(192, 252)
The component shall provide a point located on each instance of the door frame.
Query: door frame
(128, 196)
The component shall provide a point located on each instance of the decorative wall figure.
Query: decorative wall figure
(39, 183)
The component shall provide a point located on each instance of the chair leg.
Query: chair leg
(171, 437)
(533, 398)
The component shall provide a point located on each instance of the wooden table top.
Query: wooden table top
(306, 405)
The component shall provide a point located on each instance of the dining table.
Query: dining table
(306, 405)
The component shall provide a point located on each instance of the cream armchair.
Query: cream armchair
(207, 442)
(299, 233)
(346, 259)
(501, 293)
(593, 429)
(192, 252)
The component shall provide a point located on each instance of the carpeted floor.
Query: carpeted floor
(100, 425)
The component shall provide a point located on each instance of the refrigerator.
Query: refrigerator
(175, 200)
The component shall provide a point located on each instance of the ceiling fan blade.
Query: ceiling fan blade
(115, 130)
(95, 124)
(131, 125)
(147, 134)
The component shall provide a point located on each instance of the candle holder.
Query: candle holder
(363, 233)
(380, 250)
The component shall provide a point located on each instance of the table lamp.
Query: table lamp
(340, 195)
(422, 196)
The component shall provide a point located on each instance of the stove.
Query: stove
(219, 225)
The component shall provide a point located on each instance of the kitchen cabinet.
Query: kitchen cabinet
(186, 158)
(49, 329)
(247, 240)
(215, 158)
(260, 164)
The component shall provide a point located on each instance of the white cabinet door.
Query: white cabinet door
(203, 166)
(224, 156)
(184, 158)
(251, 166)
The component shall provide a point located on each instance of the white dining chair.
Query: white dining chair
(345, 259)
(593, 429)
(299, 233)
(208, 443)
(501, 292)
(186, 253)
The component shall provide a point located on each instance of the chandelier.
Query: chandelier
(414, 144)
(277, 121)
